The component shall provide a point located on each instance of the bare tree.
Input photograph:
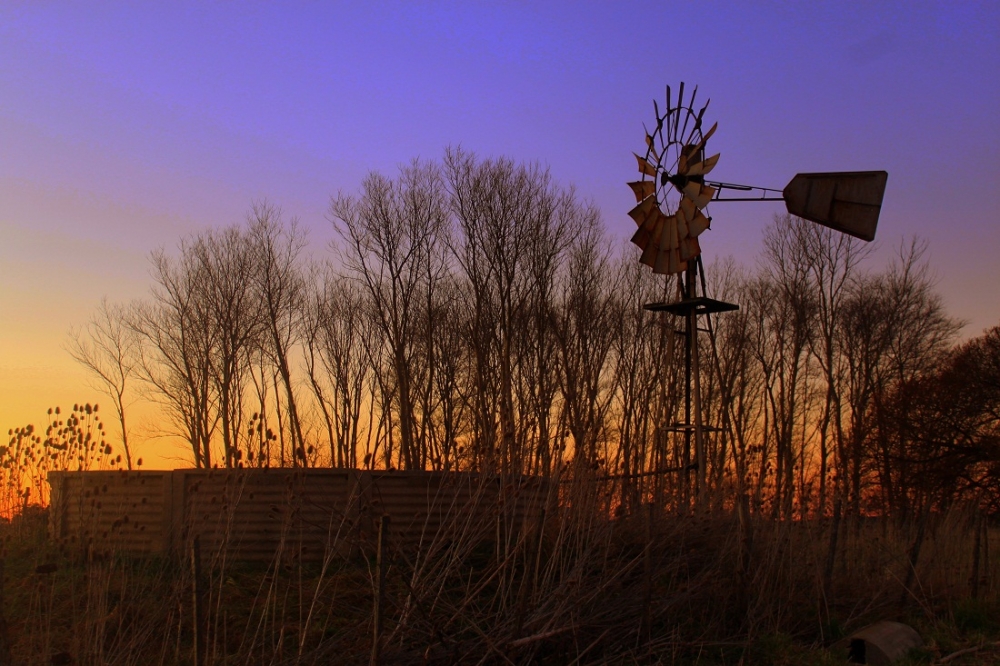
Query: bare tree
(643, 358)
(281, 290)
(893, 330)
(947, 426)
(738, 404)
(538, 348)
(834, 259)
(175, 348)
(480, 321)
(391, 231)
(443, 370)
(918, 336)
(227, 266)
(511, 234)
(339, 333)
(587, 322)
(108, 348)
(787, 305)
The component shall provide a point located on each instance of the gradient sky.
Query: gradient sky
(124, 127)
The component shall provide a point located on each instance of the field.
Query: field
(573, 587)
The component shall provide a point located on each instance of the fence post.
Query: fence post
(196, 615)
(4, 637)
(914, 555)
(647, 566)
(382, 566)
(831, 554)
(977, 548)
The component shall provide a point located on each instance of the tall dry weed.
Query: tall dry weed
(491, 574)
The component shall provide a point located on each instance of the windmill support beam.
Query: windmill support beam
(690, 307)
(694, 385)
(690, 346)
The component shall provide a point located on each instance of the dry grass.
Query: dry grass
(567, 586)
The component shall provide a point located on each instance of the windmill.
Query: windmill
(672, 196)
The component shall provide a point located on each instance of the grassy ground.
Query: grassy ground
(707, 591)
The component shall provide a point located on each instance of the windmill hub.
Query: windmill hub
(679, 180)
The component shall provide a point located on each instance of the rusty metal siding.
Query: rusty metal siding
(424, 506)
(288, 513)
(257, 513)
(108, 509)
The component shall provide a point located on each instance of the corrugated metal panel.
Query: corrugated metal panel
(109, 510)
(257, 514)
(287, 513)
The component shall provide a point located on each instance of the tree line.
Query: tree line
(475, 315)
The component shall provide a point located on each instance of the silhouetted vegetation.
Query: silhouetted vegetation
(73, 442)
(474, 316)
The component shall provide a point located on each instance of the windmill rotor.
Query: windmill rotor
(672, 194)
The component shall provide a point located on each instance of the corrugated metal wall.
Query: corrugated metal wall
(114, 509)
(258, 514)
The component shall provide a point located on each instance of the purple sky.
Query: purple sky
(123, 128)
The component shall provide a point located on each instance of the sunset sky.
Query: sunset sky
(124, 127)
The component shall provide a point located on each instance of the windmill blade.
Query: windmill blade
(701, 114)
(671, 239)
(700, 146)
(683, 228)
(699, 224)
(668, 255)
(652, 247)
(652, 147)
(644, 166)
(643, 210)
(700, 194)
(643, 188)
(688, 208)
(644, 233)
(687, 117)
(703, 167)
(650, 230)
(664, 248)
(677, 116)
(849, 202)
(690, 248)
(689, 156)
(708, 135)
(669, 263)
